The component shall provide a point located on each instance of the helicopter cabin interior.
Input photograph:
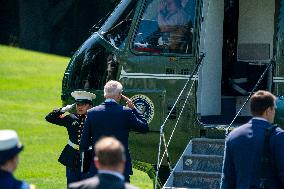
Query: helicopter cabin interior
(237, 37)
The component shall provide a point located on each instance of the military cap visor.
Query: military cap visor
(83, 96)
(10, 145)
(83, 101)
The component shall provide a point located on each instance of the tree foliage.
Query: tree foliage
(52, 26)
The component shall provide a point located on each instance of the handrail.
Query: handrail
(162, 135)
(166, 146)
(250, 94)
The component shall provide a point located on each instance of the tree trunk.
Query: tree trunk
(37, 20)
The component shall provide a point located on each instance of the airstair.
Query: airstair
(200, 165)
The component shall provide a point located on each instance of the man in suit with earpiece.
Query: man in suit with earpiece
(254, 152)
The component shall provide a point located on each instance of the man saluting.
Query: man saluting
(74, 122)
(112, 119)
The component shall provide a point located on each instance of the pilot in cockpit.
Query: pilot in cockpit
(174, 24)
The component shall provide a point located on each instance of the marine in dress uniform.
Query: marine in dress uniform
(10, 147)
(74, 122)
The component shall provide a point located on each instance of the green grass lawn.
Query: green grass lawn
(30, 87)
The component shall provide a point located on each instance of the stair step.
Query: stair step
(197, 179)
(201, 162)
(208, 146)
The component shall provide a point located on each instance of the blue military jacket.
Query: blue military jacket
(8, 181)
(244, 145)
(112, 119)
(74, 123)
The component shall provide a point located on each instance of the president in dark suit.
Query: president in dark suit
(110, 159)
(243, 168)
(112, 119)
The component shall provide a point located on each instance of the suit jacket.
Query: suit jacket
(101, 181)
(74, 123)
(112, 119)
(243, 151)
(8, 181)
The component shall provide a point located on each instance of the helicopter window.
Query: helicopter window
(117, 35)
(93, 67)
(89, 68)
(94, 64)
(166, 27)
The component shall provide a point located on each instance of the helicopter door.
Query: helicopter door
(211, 42)
(254, 50)
(237, 64)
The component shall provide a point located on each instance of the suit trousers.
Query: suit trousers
(73, 175)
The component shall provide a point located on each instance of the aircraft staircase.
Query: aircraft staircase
(200, 165)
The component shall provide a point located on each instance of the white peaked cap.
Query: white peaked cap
(83, 95)
(8, 140)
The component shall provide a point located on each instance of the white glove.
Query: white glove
(67, 108)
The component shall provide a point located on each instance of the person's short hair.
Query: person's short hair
(112, 88)
(109, 152)
(260, 101)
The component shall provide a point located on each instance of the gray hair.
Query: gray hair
(112, 88)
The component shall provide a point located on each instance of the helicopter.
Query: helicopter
(197, 74)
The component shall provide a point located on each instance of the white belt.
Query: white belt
(75, 146)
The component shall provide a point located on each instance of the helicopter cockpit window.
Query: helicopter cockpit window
(117, 34)
(95, 63)
(166, 27)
